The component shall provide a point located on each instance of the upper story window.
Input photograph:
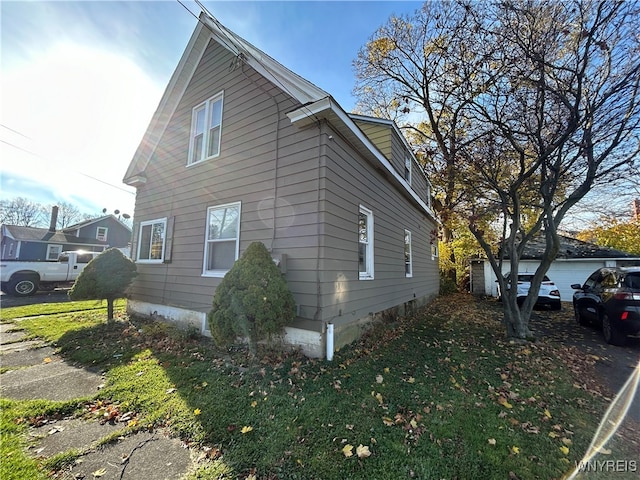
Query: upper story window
(407, 169)
(101, 234)
(365, 243)
(408, 256)
(151, 241)
(222, 240)
(206, 129)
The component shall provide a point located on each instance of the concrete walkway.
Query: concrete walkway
(36, 371)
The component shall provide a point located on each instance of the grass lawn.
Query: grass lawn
(437, 395)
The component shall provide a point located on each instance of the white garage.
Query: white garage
(575, 262)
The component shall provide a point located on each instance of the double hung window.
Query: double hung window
(206, 129)
(365, 243)
(222, 239)
(408, 256)
(151, 241)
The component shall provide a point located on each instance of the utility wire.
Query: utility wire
(76, 171)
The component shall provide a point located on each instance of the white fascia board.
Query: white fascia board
(299, 88)
(306, 115)
(168, 103)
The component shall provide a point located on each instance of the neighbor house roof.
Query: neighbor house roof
(315, 103)
(44, 235)
(572, 248)
(91, 221)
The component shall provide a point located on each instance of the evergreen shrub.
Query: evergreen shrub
(252, 301)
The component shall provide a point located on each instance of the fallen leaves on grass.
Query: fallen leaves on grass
(347, 450)
(363, 451)
(246, 429)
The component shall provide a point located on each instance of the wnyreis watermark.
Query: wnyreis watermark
(607, 466)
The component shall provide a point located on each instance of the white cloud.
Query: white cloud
(81, 113)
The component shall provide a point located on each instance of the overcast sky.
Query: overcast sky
(80, 80)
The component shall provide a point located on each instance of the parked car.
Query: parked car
(610, 297)
(549, 295)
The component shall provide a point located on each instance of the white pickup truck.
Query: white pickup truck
(22, 278)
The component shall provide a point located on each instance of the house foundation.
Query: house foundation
(311, 343)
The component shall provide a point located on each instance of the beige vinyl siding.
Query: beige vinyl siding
(351, 182)
(380, 135)
(243, 172)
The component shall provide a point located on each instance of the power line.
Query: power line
(75, 171)
(15, 131)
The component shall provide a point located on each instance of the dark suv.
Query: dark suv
(610, 297)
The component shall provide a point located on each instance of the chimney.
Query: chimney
(636, 209)
(54, 218)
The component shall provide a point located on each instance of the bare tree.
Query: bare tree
(559, 116)
(22, 212)
(527, 106)
(68, 215)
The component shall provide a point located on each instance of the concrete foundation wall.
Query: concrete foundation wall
(312, 344)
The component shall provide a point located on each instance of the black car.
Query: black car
(610, 297)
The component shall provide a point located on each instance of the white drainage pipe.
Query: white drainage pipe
(329, 341)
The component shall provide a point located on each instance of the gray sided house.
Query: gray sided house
(106, 229)
(240, 150)
(576, 260)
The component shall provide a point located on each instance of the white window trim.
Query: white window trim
(51, 247)
(164, 240)
(408, 274)
(219, 273)
(205, 140)
(434, 251)
(368, 274)
(408, 164)
(106, 231)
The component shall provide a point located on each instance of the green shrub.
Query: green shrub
(106, 277)
(252, 301)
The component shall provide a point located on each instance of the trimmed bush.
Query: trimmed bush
(252, 301)
(106, 277)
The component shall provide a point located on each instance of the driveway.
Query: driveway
(613, 364)
(55, 296)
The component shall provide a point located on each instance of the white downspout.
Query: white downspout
(329, 341)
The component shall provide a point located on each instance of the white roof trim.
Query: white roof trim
(207, 29)
(306, 115)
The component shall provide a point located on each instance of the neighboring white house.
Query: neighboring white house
(574, 263)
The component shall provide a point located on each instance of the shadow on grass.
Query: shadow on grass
(438, 395)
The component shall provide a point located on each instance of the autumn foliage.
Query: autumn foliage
(252, 301)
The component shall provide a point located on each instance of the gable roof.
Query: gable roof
(86, 223)
(44, 235)
(315, 103)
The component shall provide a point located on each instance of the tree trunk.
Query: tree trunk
(447, 237)
(109, 309)
(516, 323)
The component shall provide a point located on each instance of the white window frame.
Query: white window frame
(434, 251)
(407, 168)
(163, 222)
(428, 192)
(219, 273)
(103, 237)
(207, 107)
(51, 248)
(367, 274)
(408, 265)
